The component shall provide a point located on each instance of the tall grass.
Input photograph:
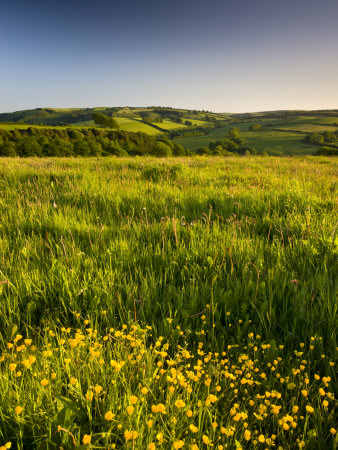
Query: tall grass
(250, 243)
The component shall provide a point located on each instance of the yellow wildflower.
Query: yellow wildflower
(86, 439)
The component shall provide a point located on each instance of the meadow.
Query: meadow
(168, 303)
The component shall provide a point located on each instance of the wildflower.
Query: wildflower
(189, 413)
(109, 415)
(130, 435)
(150, 423)
(179, 404)
(178, 444)
(86, 439)
(333, 431)
(205, 439)
(144, 390)
(247, 435)
(98, 388)
(89, 396)
(309, 409)
(130, 409)
(12, 367)
(193, 428)
(133, 399)
(151, 446)
(261, 438)
(73, 381)
(19, 409)
(44, 382)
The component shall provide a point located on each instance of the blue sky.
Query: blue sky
(220, 55)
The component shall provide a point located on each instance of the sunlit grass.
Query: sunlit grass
(237, 254)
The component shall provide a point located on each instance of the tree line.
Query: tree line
(43, 142)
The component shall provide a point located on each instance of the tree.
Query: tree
(105, 121)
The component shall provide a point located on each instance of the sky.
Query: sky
(218, 55)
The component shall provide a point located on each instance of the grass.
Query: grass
(309, 128)
(278, 142)
(209, 282)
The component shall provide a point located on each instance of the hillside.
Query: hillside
(270, 132)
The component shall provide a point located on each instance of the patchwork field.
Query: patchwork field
(177, 303)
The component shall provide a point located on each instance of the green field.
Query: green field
(274, 141)
(309, 128)
(177, 303)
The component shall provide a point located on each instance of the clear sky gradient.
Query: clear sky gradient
(220, 55)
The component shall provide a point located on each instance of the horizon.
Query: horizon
(171, 107)
(222, 56)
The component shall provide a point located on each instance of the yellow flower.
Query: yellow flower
(44, 382)
(247, 435)
(133, 399)
(189, 413)
(309, 409)
(130, 435)
(194, 447)
(89, 396)
(12, 367)
(109, 415)
(86, 439)
(98, 388)
(19, 409)
(151, 446)
(333, 431)
(295, 409)
(130, 409)
(205, 439)
(261, 438)
(304, 392)
(178, 444)
(179, 404)
(73, 381)
(193, 428)
(144, 391)
(150, 423)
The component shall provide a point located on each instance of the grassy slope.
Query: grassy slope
(281, 142)
(108, 241)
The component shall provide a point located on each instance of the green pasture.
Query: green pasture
(308, 128)
(204, 288)
(279, 142)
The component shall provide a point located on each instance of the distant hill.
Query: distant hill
(283, 132)
(155, 115)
